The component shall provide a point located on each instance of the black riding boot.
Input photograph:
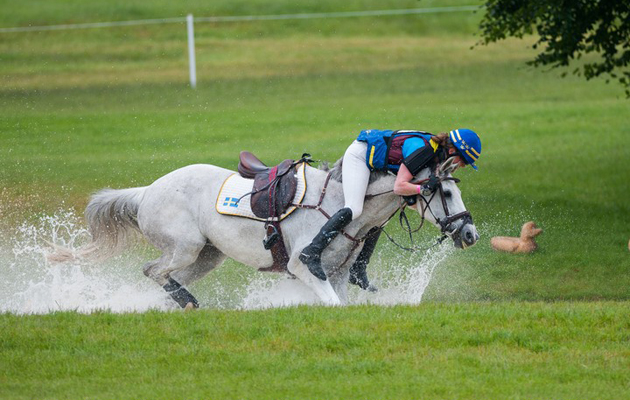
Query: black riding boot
(311, 255)
(358, 273)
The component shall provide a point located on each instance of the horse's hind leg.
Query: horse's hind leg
(209, 258)
(178, 254)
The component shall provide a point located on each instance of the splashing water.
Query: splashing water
(33, 285)
(397, 283)
(405, 280)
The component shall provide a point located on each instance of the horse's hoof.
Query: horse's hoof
(190, 306)
(372, 289)
(361, 280)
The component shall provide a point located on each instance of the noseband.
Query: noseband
(448, 220)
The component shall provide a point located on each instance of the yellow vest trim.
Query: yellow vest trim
(372, 156)
(433, 144)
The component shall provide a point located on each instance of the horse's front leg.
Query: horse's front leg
(339, 283)
(323, 289)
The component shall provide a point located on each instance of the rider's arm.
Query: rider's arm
(403, 185)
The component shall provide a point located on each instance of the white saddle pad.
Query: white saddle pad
(236, 186)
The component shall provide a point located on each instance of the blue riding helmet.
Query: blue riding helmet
(468, 144)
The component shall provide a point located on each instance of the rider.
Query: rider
(404, 153)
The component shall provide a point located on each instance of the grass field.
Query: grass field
(82, 110)
(463, 351)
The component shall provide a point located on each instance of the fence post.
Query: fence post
(191, 51)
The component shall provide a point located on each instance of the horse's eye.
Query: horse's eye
(448, 194)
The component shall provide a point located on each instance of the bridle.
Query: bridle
(446, 222)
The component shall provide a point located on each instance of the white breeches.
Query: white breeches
(356, 176)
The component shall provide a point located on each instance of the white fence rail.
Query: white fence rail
(189, 20)
(191, 51)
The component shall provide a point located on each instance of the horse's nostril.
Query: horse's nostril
(470, 236)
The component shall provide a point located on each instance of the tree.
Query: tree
(567, 30)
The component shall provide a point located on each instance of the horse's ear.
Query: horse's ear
(447, 166)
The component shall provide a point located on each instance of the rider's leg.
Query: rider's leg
(355, 178)
(311, 255)
(358, 271)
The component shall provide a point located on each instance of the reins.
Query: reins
(356, 242)
(415, 249)
(425, 206)
(403, 217)
(319, 208)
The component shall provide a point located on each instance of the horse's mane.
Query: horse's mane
(335, 171)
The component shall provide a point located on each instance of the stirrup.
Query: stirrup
(271, 239)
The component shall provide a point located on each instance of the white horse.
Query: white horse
(176, 214)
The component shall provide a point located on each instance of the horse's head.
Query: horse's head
(441, 203)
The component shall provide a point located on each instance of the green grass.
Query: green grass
(111, 107)
(464, 351)
(554, 149)
(83, 110)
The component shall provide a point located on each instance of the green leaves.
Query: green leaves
(567, 30)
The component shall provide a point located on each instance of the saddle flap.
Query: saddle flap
(277, 190)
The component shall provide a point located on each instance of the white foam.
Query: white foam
(268, 291)
(403, 281)
(400, 281)
(32, 285)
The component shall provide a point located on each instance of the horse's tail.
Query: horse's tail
(112, 217)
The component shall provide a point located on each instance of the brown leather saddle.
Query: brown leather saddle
(274, 187)
(273, 193)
